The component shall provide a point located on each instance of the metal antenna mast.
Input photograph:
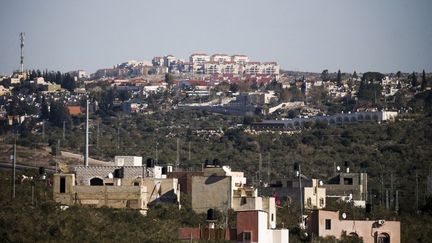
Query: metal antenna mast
(86, 154)
(22, 52)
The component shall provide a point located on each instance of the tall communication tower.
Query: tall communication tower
(22, 52)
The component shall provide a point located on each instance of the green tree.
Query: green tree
(169, 79)
(325, 75)
(399, 74)
(355, 76)
(339, 78)
(234, 87)
(424, 82)
(58, 113)
(414, 82)
(44, 109)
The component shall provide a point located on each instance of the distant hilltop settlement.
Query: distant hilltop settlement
(128, 183)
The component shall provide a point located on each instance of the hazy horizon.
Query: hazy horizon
(384, 36)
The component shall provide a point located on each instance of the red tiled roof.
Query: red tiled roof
(75, 110)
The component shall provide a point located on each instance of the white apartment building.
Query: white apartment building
(169, 60)
(158, 61)
(269, 68)
(221, 68)
(199, 58)
(252, 68)
(220, 58)
(240, 59)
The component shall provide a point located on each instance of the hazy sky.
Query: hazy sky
(363, 35)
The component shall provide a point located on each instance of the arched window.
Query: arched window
(383, 238)
(96, 182)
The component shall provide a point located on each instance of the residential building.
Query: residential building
(343, 118)
(348, 187)
(199, 58)
(220, 58)
(240, 59)
(4, 91)
(125, 183)
(220, 188)
(328, 223)
(251, 226)
(314, 197)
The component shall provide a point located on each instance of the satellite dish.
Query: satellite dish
(321, 183)
(110, 175)
(338, 168)
(344, 215)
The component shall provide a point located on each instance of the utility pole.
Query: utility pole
(391, 190)
(417, 192)
(260, 169)
(118, 137)
(301, 194)
(387, 199)
(14, 169)
(64, 130)
(397, 202)
(189, 154)
(178, 154)
(157, 152)
(97, 136)
(382, 188)
(268, 168)
(58, 147)
(43, 129)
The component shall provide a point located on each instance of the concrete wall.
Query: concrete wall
(84, 174)
(128, 161)
(211, 192)
(162, 190)
(185, 179)
(125, 196)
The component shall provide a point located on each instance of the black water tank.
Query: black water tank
(150, 163)
(368, 208)
(296, 166)
(41, 170)
(119, 173)
(211, 214)
(216, 162)
(164, 170)
(206, 162)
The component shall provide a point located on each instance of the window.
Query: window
(272, 217)
(309, 201)
(96, 182)
(243, 201)
(321, 201)
(62, 184)
(328, 224)
(136, 183)
(348, 181)
(247, 236)
(383, 238)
